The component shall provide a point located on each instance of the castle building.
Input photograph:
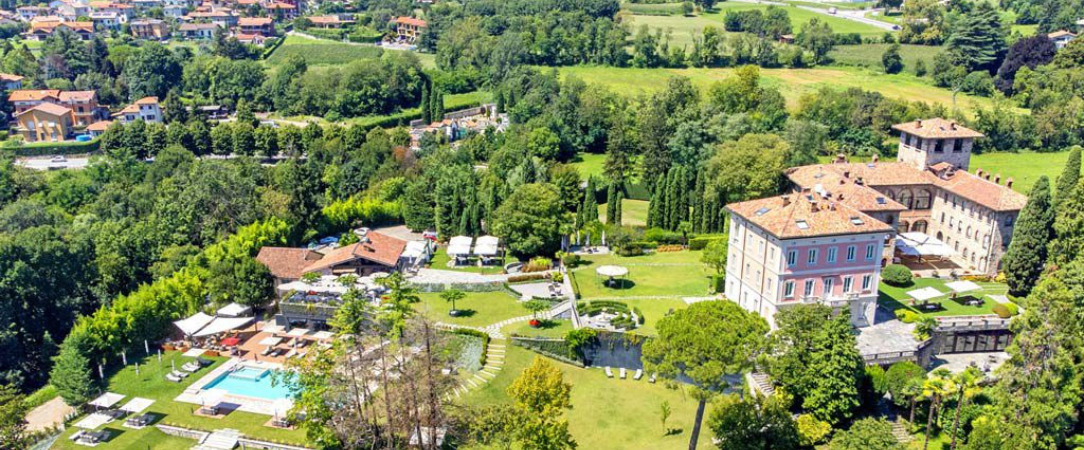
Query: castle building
(798, 247)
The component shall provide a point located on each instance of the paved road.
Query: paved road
(853, 15)
(48, 164)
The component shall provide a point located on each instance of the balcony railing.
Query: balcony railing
(309, 309)
(832, 300)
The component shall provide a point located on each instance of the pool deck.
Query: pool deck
(232, 402)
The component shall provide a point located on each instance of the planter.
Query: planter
(535, 323)
(454, 313)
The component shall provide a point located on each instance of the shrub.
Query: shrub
(1006, 310)
(811, 431)
(698, 243)
(527, 277)
(718, 283)
(639, 315)
(896, 275)
(661, 236)
(579, 337)
(906, 315)
(538, 264)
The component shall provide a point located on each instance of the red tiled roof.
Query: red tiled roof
(77, 96)
(49, 108)
(254, 21)
(411, 21)
(937, 128)
(806, 215)
(25, 95)
(10, 77)
(286, 262)
(1060, 33)
(99, 126)
(381, 248)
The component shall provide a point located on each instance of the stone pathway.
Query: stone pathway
(438, 276)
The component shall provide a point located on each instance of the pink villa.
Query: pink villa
(803, 248)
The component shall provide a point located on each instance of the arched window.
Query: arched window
(903, 226)
(922, 200)
(940, 236)
(968, 234)
(905, 198)
(919, 226)
(966, 254)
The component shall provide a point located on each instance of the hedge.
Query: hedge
(57, 148)
(1006, 310)
(700, 242)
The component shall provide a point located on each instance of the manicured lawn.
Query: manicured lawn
(893, 298)
(321, 51)
(549, 329)
(633, 212)
(477, 309)
(607, 413)
(589, 164)
(654, 309)
(669, 274)
(869, 55)
(440, 261)
(792, 83)
(151, 383)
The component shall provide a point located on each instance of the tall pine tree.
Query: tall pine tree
(1026, 257)
(427, 111)
(1069, 177)
(978, 40)
(590, 203)
(611, 204)
(618, 207)
(1068, 227)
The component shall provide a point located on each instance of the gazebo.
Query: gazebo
(487, 248)
(611, 273)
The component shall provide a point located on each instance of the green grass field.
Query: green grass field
(589, 164)
(608, 413)
(440, 261)
(792, 83)
(321, 51)
(151, 383)
(549, 329)
(669, 275)
(477, 309)
(683, 27)
(869, 55)
(893, 297)
(633, 212)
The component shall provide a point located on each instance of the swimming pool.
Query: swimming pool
(250, 382)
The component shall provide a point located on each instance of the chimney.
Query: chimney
(832, 206)
(846, 174)
(786, 200)
(875, 158)
(858, 181)
(987, 176)
(918, 123)
(952, 125)
(1008, 183)
(841, 158)
(813, 206)
(997, 179)
(840, 197)
(978, 172)
(842, 181)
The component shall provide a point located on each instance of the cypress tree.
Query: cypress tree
(653, 207)
(427, 112)
(590, 203)
(617, 207)
(611, 204)
(697, 200)
(1069, 176)
(438, 104)
(1026, 257)
(675, 193)
(1068, 227)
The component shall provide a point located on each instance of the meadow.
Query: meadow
(869, 55)
(321, 51)
(792, 83)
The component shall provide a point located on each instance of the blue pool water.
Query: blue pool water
(250, 382)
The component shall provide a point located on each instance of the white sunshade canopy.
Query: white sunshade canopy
(223, 324)
(922, 244)
(459, 245)
(234, 310)
(963, 286)
(298, 332)
(612, 271)
(137, 405)
(107, 399)
(210, 397)
(414, 250)
(194, 323)
(194, 352)
(270, 340)
(925, 293)
(486, 246)
(94, 421)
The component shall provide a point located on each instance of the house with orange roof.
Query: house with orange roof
(24, 99)
(41, 30)
(11, 82)
(84, 106)
(98, 128)
(223, 17)
(1061, 38)
(146, 109)
(47, 122)
(329, 21)
(251, 39)
(263, 26)
(409, 28)
(197, 30)
(153, 29)
(28, 13)
(281, 10)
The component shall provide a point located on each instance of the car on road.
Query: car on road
(59, 159)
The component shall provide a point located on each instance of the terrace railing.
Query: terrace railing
(971, 323)
(322, 311)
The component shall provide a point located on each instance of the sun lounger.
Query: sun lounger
(179, 374)
(266, 351)
(203, 362)
(191, 367)
(609, 373)
(622, 372)
(173, 378)
(652, 379)
(639, 374)
(78, 434)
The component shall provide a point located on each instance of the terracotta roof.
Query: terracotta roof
(49, 108)
(868, 174)
(10, 77)
(197, 26)
(1060, 33)
(806, 215)
(147, 101)
(381, 248)
(99, 126)
(281, 5)
(327, 19)
(937, 128)
(254, 21)
(26, 95)
(411, 21)
(285, 262)
(986, 193)
(77, 96)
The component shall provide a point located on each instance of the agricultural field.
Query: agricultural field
(869, 55)
(321, 52)
(792, 83)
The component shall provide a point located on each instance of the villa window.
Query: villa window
(808, 288)
(957, 146)
(905, 198)
(829, 283)
(942, 217)
(938, 146)
(850, 253)
(792, 258)
(788, 289)
(919, 226)
(812, 258)
(832, 255)
(867, 282)
(1008, 221)
(848, 284)
(922, 201)
(870, 249)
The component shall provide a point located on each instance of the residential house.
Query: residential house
(39, 31)
(409, 28)
(197, 30)
(11, 82)
(281, 10)
(330, 21)
(97, 128)
(70, 10)
(155, 29)
(124, 11)
(29, 12)
(223, 17)
(1061, 38)
(146, 109)
(25, 99)
(46, 122)
(84, 106)
(175, 8)
(251, 39)
(214, 112)
(263, 26)
(107, 20)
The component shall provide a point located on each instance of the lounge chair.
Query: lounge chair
(609, 373)
(652, 379)
(78, 434)
(639, 374)
(267, 351)
(622, 372)
(191, 367)
(203, 362)
(179, 374)
(173, 378)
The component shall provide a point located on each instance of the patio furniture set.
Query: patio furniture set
(622, 373)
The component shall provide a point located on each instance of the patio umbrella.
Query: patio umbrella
(231, 341)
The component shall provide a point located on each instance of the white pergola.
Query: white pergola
(234, 310)
(93, 421)
(107, 399)
(963, 286)
(459, 246)
(924, 294)
(193, 324)
(223, 324)
(922, 245)
(487, 246)
(137, 405)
